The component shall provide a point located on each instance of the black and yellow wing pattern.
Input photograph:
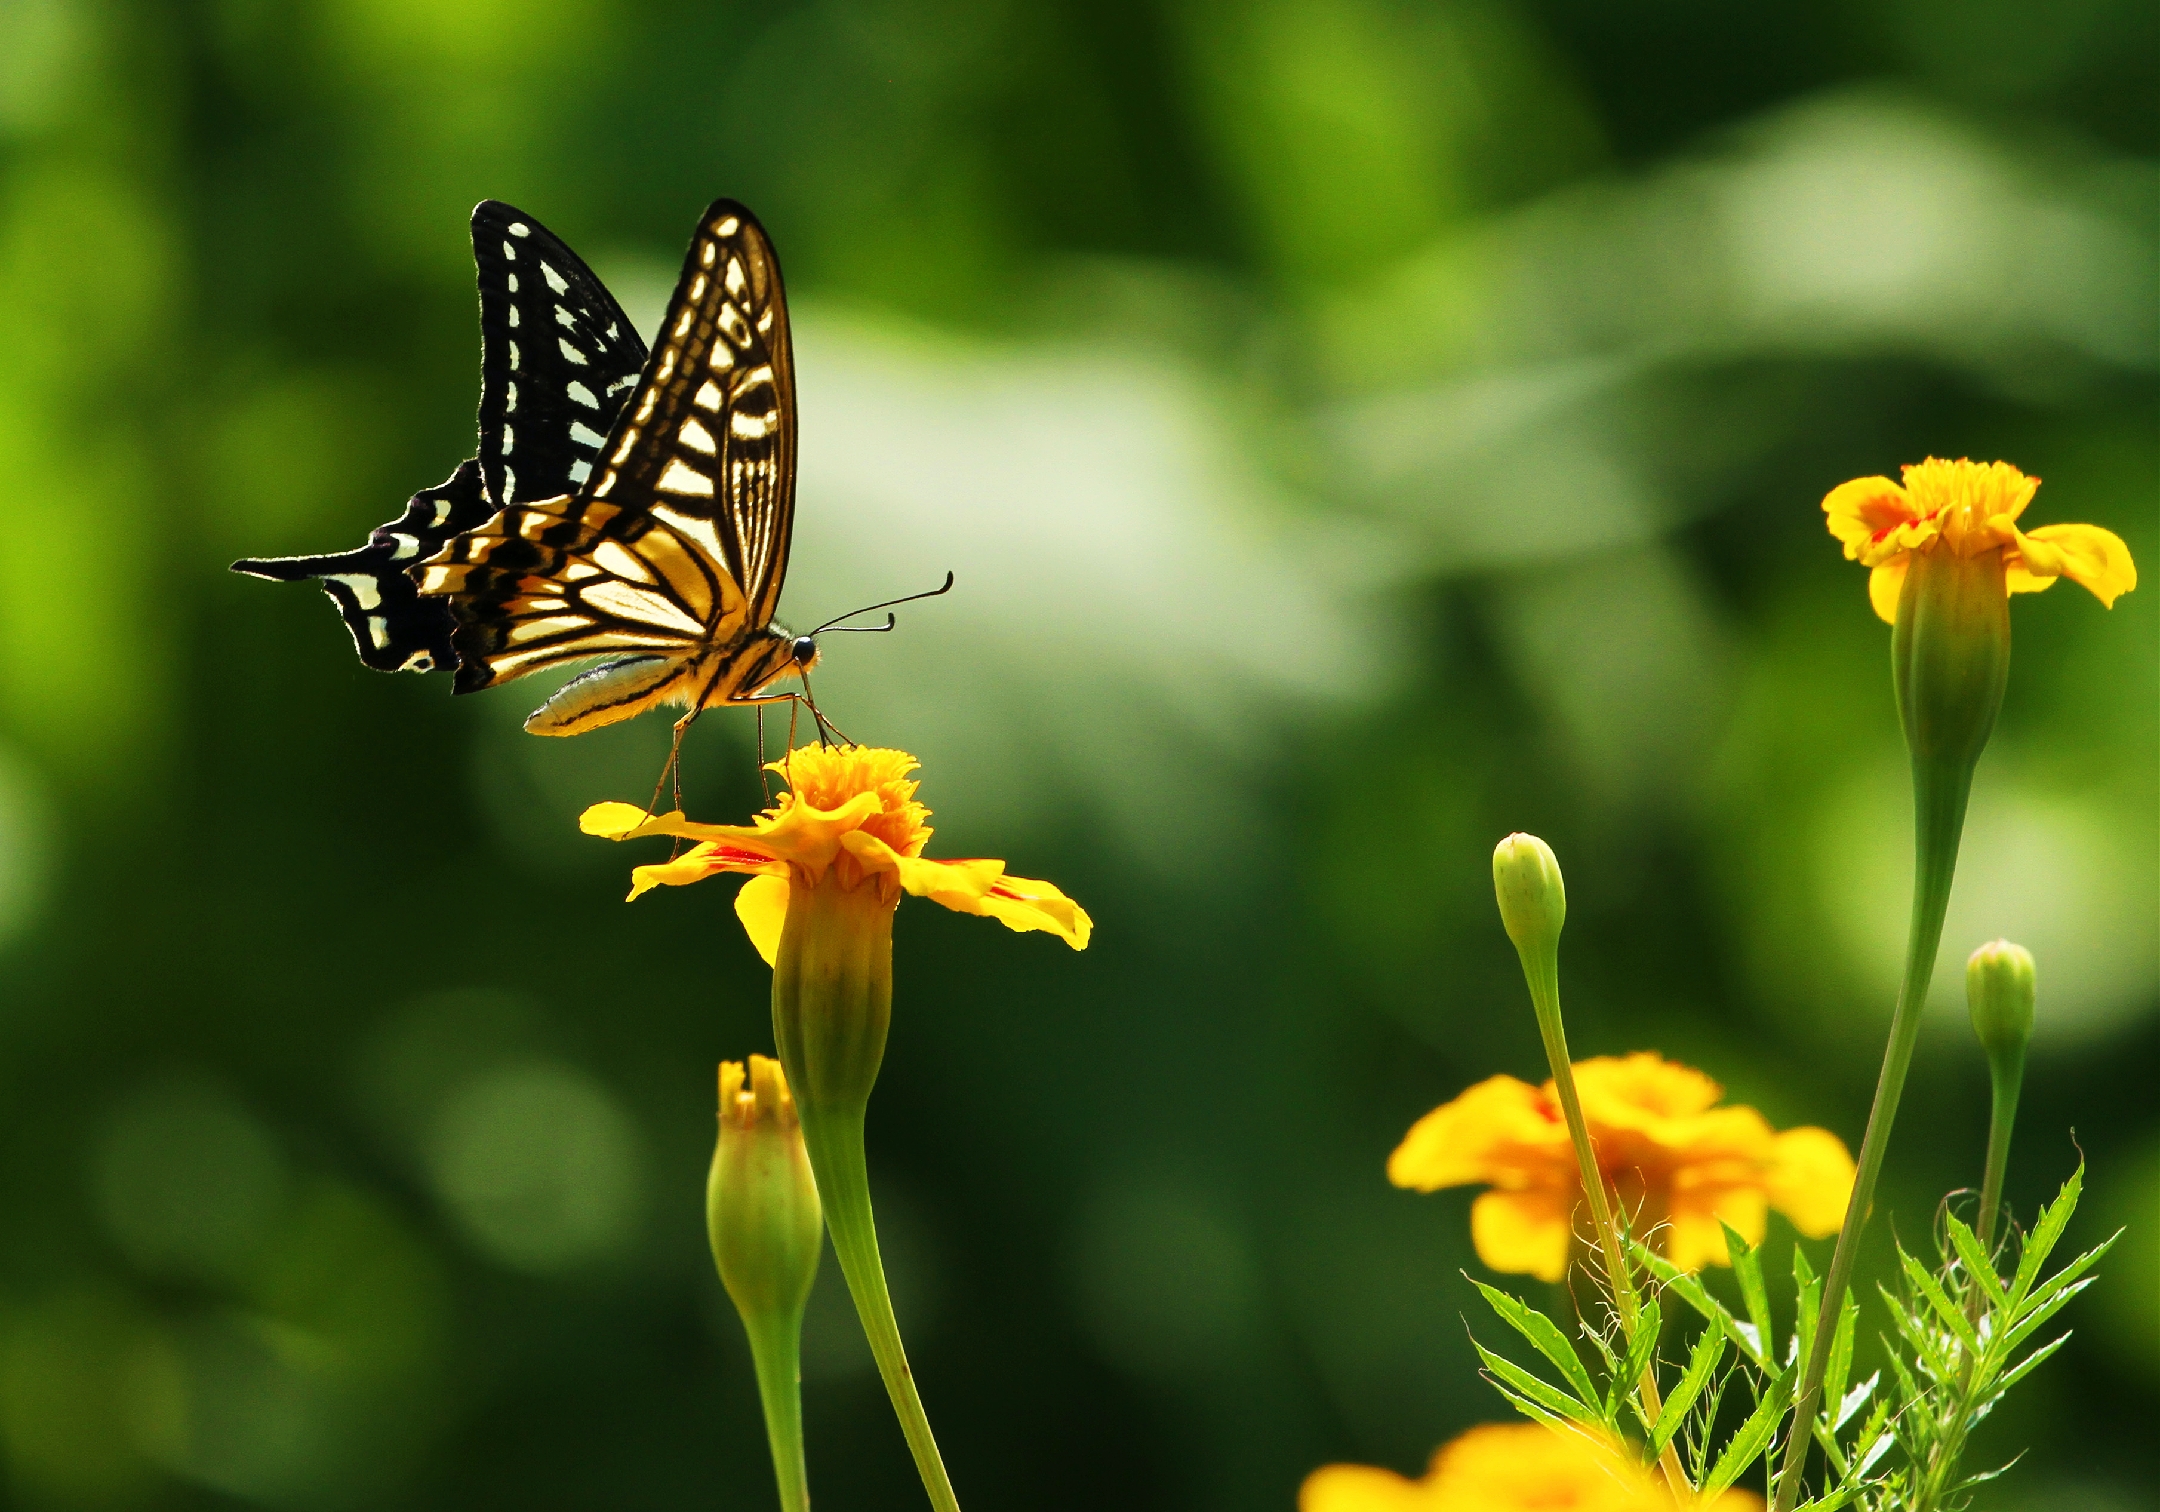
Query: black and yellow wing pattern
(558, 359)
(670, 558)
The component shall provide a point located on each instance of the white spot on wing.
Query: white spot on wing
(581, 394)
(728, 227)
(509, 485)
(580, 470)
(366, 592)
(509, 398)
(509, 252)
(519, 228)
(513, 356)
(513, 317)
(379, 632)
(555, 280)
(407, 546)
(697, 437)
(709, 397)
(620, 383)
(748, 426)
(585, 435)
(507, 434)
(571, 353)
(513, 282)
(682, 479)
(442, 510)
(419, 661)
(565, 319)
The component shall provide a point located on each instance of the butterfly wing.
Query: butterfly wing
(557, 358)
(678, 548)
(393, 628)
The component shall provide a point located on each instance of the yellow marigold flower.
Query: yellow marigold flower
(1669, 1155)
(1514, 1467)
(1967, 508)
(850, 808)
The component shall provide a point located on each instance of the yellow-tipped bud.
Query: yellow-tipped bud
(761, 1204)
(1533, 899)
(1999, 995)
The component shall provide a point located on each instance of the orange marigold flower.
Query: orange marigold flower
(1514, 1467)
(1670, 1156)
(850, 808)
(1967, 508)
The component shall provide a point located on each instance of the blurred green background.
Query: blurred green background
(1360, 427)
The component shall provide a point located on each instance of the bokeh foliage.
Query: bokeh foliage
(1361, 427)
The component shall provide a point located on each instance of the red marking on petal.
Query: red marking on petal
(728, 855)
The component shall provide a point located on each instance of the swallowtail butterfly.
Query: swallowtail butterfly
(669, 556)
(557, 359)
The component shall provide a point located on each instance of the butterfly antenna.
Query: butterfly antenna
(841, 622)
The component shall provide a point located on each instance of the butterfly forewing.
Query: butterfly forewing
(558, 358)
(393, 628)
(709, 434)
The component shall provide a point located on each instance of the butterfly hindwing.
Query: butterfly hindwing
(677, 549)
(393, 628)
(558, 358)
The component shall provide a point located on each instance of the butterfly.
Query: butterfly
(558, 358)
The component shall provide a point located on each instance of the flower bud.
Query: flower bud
(1533, 899)
(1999, 994)
(761, 1205)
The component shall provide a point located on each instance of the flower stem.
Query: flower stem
(1541, 971)
(2003, 1116)
(835, 1142)
(776, 1350)
(1940, 791)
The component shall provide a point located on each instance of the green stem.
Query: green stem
(776, 1350)
(1541, 971)
(1939, 799)
(834, 1138)
(2007, 1083)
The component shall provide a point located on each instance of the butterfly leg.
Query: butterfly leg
(824, 724)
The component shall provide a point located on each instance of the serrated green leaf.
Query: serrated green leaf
(1690, 1290)
(1544, 1335)
(1747, 1445)
(1747, 1269)
(2024, 1367)
(1532, 1411)
(2040, 1294)
(1976, 1262)
(1853, 1400)
(1835, 1499)
(1642, 1347)
(1947, 1312)
(1709, 1349)
(2054, 1218)
(1546, 1395)
(2037, 1319)
(1841, 1348)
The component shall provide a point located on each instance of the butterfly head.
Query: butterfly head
(804, 649)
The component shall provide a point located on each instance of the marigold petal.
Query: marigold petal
(1695, 1232)
(2096, 560)
(1522, 1233)
(626, 821)
(1866, 512)
(1500, 1131)
(1363, 1488)
(1884, 584)
(1811, 1180)
(762, 906)
(980, 887)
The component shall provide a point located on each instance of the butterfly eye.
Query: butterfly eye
(805, 649)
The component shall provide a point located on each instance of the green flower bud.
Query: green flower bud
(1533, 899)
(761, 1205)
(1999, 994)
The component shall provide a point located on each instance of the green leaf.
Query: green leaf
(1841, 1347)
(1807, 1304)
(2037, 1319)
(1545, 1336)
(1642, 1348)
(1549, 1397)
(1976, 1262)
(1690, 1290)
(2040, 1294)
(1747, 1268)
(1930, 1290)
(1709, 1349)
(2054, 1218)
(1754, 1435)
(2024, 1367)
(1853, 1400)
